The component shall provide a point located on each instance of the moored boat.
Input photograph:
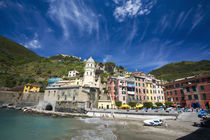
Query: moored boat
(153, 122)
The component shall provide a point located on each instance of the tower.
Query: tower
(89, 74)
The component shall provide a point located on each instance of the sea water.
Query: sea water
(16, 125)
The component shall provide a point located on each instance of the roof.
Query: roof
(34, 85)
(91, 60)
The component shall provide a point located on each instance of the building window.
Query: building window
(150, 91)
(139, 90)
(140, 97)
(144, 91)
(144, 97)
(154, 98)
(65, 97)
(196, 97)
(136, 84)
(136, 79)
(189, 97)
(194, 88)
(58, 97)
(204, 96)
(147, 97)
(139, 85)
(137, 97)
(162, 97)
(167, 93)
(143, 84)
(183, 98)
(171, 92)
(202, 87)
(151, 97)
(177, 98)
(147, 91)
(188, 89)
(123, 98)
(175, 92)
(181, 90)
(136, 90)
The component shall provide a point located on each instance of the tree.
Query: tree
(159, 104)
(105, 91)
(148, 104)
(109, 66)
(118, 103)
(132, 104)
(168, 103)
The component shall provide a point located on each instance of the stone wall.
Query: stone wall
(19, 98)
(10, 97)
(86, 95)
(70, 106)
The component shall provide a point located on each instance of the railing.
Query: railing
(131, 92)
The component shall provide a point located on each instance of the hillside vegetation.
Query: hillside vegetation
(19, 65)
(182, 69)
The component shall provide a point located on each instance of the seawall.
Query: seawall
(19, 98)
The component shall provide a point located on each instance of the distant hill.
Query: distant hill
(12, 54)
(19, 65)
(182, 69)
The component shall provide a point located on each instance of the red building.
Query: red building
(191, 91)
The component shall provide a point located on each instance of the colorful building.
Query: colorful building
(138, 88)
(31, 88)
(191, 91)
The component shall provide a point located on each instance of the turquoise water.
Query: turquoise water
(15, 125)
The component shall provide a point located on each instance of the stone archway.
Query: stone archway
(49, 107)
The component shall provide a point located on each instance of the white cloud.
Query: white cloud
(69, 13)
(34, 44)
(132, 8)
(107, 58)
(2, 4)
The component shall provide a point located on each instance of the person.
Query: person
(166, 125)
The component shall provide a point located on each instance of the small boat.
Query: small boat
(153, 122)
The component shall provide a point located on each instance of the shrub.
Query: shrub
(118, 103)
(168, 103)
(132, 104)
(148, 104)
(159, 104)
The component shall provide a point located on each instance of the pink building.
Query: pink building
(121, 89)
(140, 86)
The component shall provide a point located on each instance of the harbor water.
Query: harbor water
(15, 125)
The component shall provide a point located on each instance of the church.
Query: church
(74, 97)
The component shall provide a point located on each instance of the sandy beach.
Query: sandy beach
(175, 129)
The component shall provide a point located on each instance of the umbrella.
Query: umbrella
(125, 106)
(139, 106)
(154, 105)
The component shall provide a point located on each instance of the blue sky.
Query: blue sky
(137, 34)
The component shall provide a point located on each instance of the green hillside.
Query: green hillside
(12, 54)
(182, 69)
(19, 65)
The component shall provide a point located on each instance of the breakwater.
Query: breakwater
(20, 99)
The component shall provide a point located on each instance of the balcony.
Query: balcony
(131, 85)
(122, 84)
(131, 92)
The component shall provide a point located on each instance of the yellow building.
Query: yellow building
(149, 91)
(31, 88)
(106, 104)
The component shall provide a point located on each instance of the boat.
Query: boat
(153, 122)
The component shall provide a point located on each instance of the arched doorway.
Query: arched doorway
(49, 107)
